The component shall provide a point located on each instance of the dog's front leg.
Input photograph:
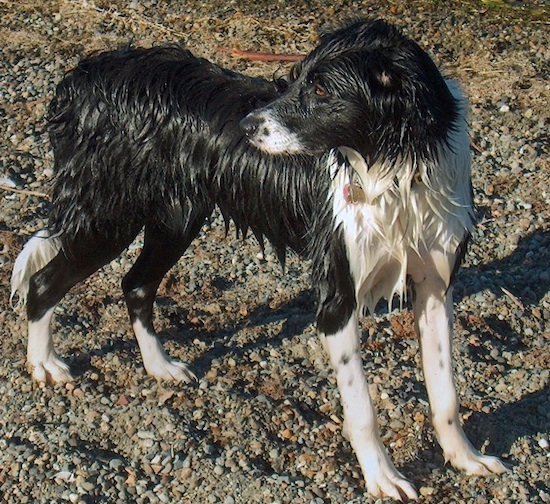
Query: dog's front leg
(382, 478)
(433, 310)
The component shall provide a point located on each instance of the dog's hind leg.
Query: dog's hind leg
(433, 311)
(47, 287)
(163, 246)
(338, 327)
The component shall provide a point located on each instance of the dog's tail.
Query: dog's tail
(36, 253)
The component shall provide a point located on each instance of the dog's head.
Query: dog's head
(366, 86)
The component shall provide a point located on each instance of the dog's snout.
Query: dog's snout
(251, 124)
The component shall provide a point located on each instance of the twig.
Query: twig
(23, 191)
(483, 72)
(476, 146)
(513, 298)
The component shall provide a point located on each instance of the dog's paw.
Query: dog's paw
(391, 484)
(52, 370)
(170, 370)
(384, 480)
(476, 464)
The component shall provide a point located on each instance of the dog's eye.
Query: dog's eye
(320, 90)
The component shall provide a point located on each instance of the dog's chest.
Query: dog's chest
(390, 220)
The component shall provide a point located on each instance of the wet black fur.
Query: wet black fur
(150, 138)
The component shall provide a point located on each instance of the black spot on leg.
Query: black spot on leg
(344, 360)
(439, 349)
(450, 421)
(350, 382)
(441, 364)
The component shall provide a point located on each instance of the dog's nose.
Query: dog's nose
(250, 125)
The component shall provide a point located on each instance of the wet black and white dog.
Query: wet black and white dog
(360, 163)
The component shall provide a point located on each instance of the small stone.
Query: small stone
(145, 434)
(213, 373)
(123, 401)
(185, 473)
(115, 464)
(544, 444)
(425, 491)
(397, 425)
(286, 434)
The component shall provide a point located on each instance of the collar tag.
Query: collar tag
(354, 194)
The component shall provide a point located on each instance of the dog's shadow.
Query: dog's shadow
(297, 314)
(517, 272)
(524, 417)
(513, 274)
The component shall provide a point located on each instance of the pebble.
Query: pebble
(426, 491)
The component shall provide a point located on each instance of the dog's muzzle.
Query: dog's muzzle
(268, 134)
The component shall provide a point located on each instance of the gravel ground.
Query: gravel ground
(263, 423)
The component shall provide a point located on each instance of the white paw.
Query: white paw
(383, 479)
(475, 463)
(170, 370)
(52, 370)
(156, 361)
(390, 483)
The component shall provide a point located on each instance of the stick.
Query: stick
(513, 298)
(23, 191)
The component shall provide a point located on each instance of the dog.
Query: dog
(358, 160)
